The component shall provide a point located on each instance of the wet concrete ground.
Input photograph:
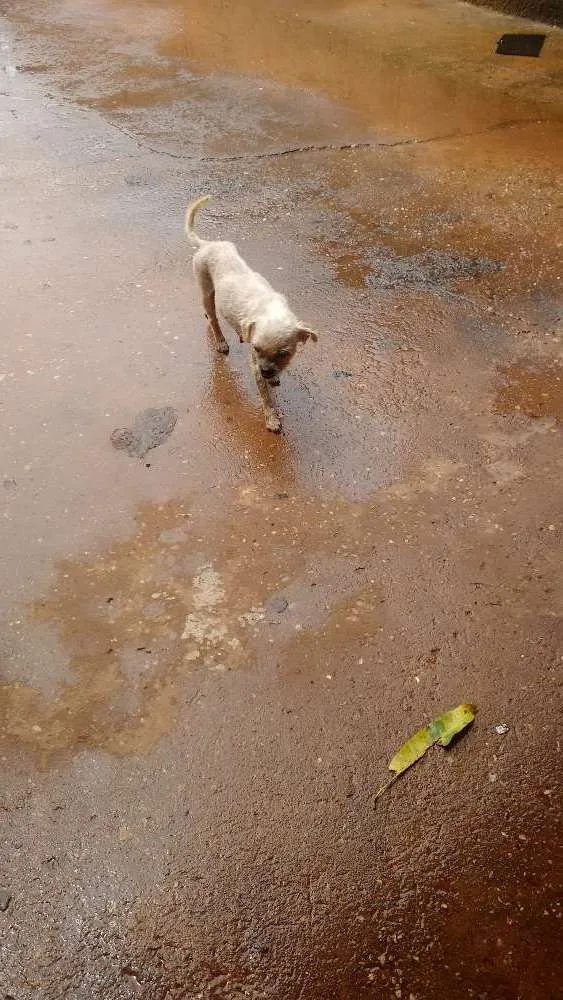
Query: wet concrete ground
(211, 649)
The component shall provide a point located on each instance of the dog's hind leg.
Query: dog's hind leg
(208, 295)
(209, 306)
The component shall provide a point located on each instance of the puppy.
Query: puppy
(260, 315)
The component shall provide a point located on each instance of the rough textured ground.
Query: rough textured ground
(544, 10)
(209, 654)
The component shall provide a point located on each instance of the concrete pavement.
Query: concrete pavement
(208, 656)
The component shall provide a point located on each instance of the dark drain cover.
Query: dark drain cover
(520, 45)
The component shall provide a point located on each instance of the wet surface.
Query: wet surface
(539, 10)
(382, 267)
(208, 656)
(533, 390)
(150, 429)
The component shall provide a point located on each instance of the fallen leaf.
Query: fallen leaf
(441, 730)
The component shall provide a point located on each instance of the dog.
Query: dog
(259, 314)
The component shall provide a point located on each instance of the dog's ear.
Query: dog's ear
(246, 332)
(303, 334)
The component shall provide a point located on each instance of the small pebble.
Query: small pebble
(501, 729)
(5, 897)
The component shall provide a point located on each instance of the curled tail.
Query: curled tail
(190, 216)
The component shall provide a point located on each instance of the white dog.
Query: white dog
(260, 315)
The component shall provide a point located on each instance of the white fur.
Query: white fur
(243, 296)
(259, 314)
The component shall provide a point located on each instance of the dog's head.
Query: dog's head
(273, 346)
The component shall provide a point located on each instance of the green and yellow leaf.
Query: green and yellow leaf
(441, 730)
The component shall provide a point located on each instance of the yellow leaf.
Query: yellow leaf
(451, 723)
(441, 730)
(411, 751)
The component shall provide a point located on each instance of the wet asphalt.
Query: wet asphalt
(210, 648)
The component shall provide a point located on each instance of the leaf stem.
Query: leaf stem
(386, 786)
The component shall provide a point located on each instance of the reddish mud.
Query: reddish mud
(210, 649)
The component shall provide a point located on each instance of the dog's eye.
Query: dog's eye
(283, 353)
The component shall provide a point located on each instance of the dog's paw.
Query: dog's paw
(273, 422)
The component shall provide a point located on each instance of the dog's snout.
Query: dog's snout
(268, 371)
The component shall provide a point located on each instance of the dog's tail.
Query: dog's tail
(190, 216)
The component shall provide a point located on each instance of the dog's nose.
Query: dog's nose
(267, 372)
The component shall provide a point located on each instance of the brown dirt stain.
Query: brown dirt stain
(356, 54)
(192, 590)
(401, 66)
(532, 388)
(181, 594)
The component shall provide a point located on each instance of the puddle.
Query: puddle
(343, 75)
(183, 593)
(403, 67)
(534, 389)
(196, 591)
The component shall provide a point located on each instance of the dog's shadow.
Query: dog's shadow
(240, 420)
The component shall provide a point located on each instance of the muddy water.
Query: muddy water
(403, 68)
(208, 656)
(424, 76)
(181, 594)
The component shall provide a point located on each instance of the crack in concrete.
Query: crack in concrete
(330, 147)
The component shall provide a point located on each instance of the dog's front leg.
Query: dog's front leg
(273, 422)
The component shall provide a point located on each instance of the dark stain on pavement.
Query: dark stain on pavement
(150, 429)
(431, 269)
